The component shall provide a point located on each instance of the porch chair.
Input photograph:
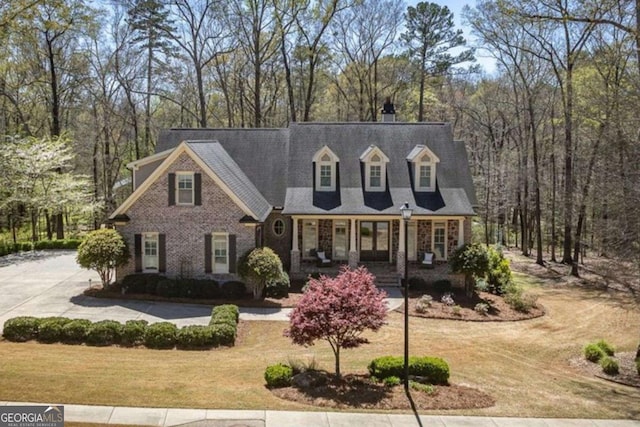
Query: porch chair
(323, 261)
(429, 260)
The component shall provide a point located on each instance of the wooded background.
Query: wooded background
(552, 134)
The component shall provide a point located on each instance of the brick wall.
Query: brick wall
(280, 244)
(185, 226)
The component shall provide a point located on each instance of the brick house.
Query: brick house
(209, 195)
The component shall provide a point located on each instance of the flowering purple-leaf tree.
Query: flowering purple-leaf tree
(338, 310)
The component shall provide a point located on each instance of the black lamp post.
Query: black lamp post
(406, 212)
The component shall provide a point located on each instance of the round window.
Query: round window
(278, 227)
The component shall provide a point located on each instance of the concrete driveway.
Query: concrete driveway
(51, 283)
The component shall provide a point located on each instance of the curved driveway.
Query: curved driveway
(45, 284)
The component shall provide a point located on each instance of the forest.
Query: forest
(553, 134)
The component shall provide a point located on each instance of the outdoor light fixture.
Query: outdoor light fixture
(406, 212)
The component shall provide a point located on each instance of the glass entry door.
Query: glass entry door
(374, 241)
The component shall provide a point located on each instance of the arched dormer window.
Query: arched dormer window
(375, 169)
(326, 169)
(424, 168)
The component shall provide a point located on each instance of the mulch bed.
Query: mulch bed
(628, 374)
(500, 311)
(356, 391)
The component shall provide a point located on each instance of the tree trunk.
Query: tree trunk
(336, 353)
(201, 98)
(568, 166)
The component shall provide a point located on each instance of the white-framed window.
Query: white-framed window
(184, 188)
(220, 246)
(424, 165)
(340, 239)
(326, 163)
(309, 237)
(375, 169)
(439, 240)
(150, 260)
(278, 227)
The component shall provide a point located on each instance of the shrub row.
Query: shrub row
(439, 286)
(155, 284)
(162, 335)
(433, 370)
(7, 248)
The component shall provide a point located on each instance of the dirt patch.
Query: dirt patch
(463, 308)
(358, 391)
(628, 374)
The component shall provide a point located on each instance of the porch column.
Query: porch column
(460, 232)
(353, 250)
(400, 267)
(295, 251)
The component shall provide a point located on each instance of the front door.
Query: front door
(374, 241)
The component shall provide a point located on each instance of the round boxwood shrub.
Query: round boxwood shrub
(417, 283)
(606, 347)
(190, 288)
(433, 370)
(50, 329)
(223, 334)
(278, 375)
(21, 329)
(135, 283)
(441, 286)
(75, 332)
(593, 353)
(233, 290)
(133, 332)
(161, 335)
(104, 332)
(195, 337)
(609, 366)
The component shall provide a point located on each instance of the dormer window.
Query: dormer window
(326, 166)
(375, 169)
(424, 168)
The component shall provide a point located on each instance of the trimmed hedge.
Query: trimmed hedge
(21, 329)
(133, 332)
(161, 335)
(104, 332)
(221, 331)
(50, 329)
(433, 370)
(278, 375)
(195, 337)
(233, 289)
(7, 248)
(75, 332)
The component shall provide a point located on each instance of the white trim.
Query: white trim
(162, 169)
(415, 156)
(225, 269)
(152, 236)
(366, 158)
(346, 239)
(304, 250)
(177, 189)
(332, 163)
(136, 164)
(433, 238)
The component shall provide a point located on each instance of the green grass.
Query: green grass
(523, 365)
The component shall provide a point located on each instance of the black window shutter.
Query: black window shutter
(162, 253)
(232, 253)
(137, 251)
(207, 253)
(197, 189)
(172, 189)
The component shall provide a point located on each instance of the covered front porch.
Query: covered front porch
(376, 241)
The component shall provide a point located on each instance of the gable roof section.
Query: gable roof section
(261, 154)
(220, 167)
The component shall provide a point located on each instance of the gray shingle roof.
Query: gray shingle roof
(215, 156)
(278, 162)
(260, 153)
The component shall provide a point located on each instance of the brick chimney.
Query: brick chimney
(388, 111)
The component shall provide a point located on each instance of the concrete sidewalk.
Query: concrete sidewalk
(260, 418)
